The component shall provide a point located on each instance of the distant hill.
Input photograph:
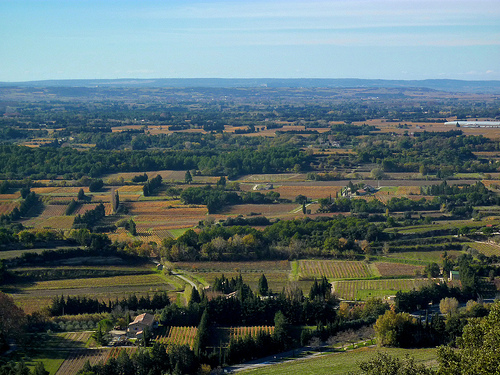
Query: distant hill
(449, 85)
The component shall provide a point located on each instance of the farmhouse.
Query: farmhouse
(136, 328)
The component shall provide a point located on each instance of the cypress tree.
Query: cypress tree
(202, 334)
(263, 286)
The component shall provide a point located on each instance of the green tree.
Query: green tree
(468, 276)
(40, 369)
(21, 369)
(96, 185)
(477, 351)
(202, 335)
(393, 329)
(281, 334)
(131, 227)
(147, 335)
(263, 286)
(222, 182)
(188, 178)
(195, 296)
(447, 264)
(125, 364)
(301, 199)
(99, 336)
(81, 195)
(25, 191)
(432, 270)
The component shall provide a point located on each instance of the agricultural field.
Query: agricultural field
(261, 178)
(139, 280)
(486, 248)
(276, 280)
(277, 272)
(54, 222)
(98, 282)
(179, 336)
(243, 267)
(115, 352)
(6, 207)
(51, 210)
(341, 363)
(284, 210)
(76, 359)
(8, 254)
(397, 269)
(422, 257)
(363, 289)
(311, 192)
(332, 269)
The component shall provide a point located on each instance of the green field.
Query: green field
(333, 269)
(363, 289)
(422, 257)
(341, 363)
(485, 248)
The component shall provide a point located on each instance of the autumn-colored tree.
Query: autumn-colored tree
(448, 306)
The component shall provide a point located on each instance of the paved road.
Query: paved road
(184, 278)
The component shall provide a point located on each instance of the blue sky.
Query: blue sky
(385, 39)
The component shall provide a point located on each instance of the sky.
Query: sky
(373, 39)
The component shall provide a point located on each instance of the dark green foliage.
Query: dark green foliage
(152, 185)
(281, 334)
(188, 178)
(40, 369)
(202, 335)
(415, 300)
(4, 187)
(301, 199)
(468, 276)
(96, 185)
(131, 227)
(247, 348)
(41, 161)
(222, 182)
(263, 286)
(195, 296)
(321, 290)
(319, 237)
(25, 191)
(71, 207)
(81, 195)
(88, 305)
(442, 153)
(140, 178)
(432, 270)
(157, 361)
(214, 199)
(260, 221)
(90, 218)
(3, 272)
